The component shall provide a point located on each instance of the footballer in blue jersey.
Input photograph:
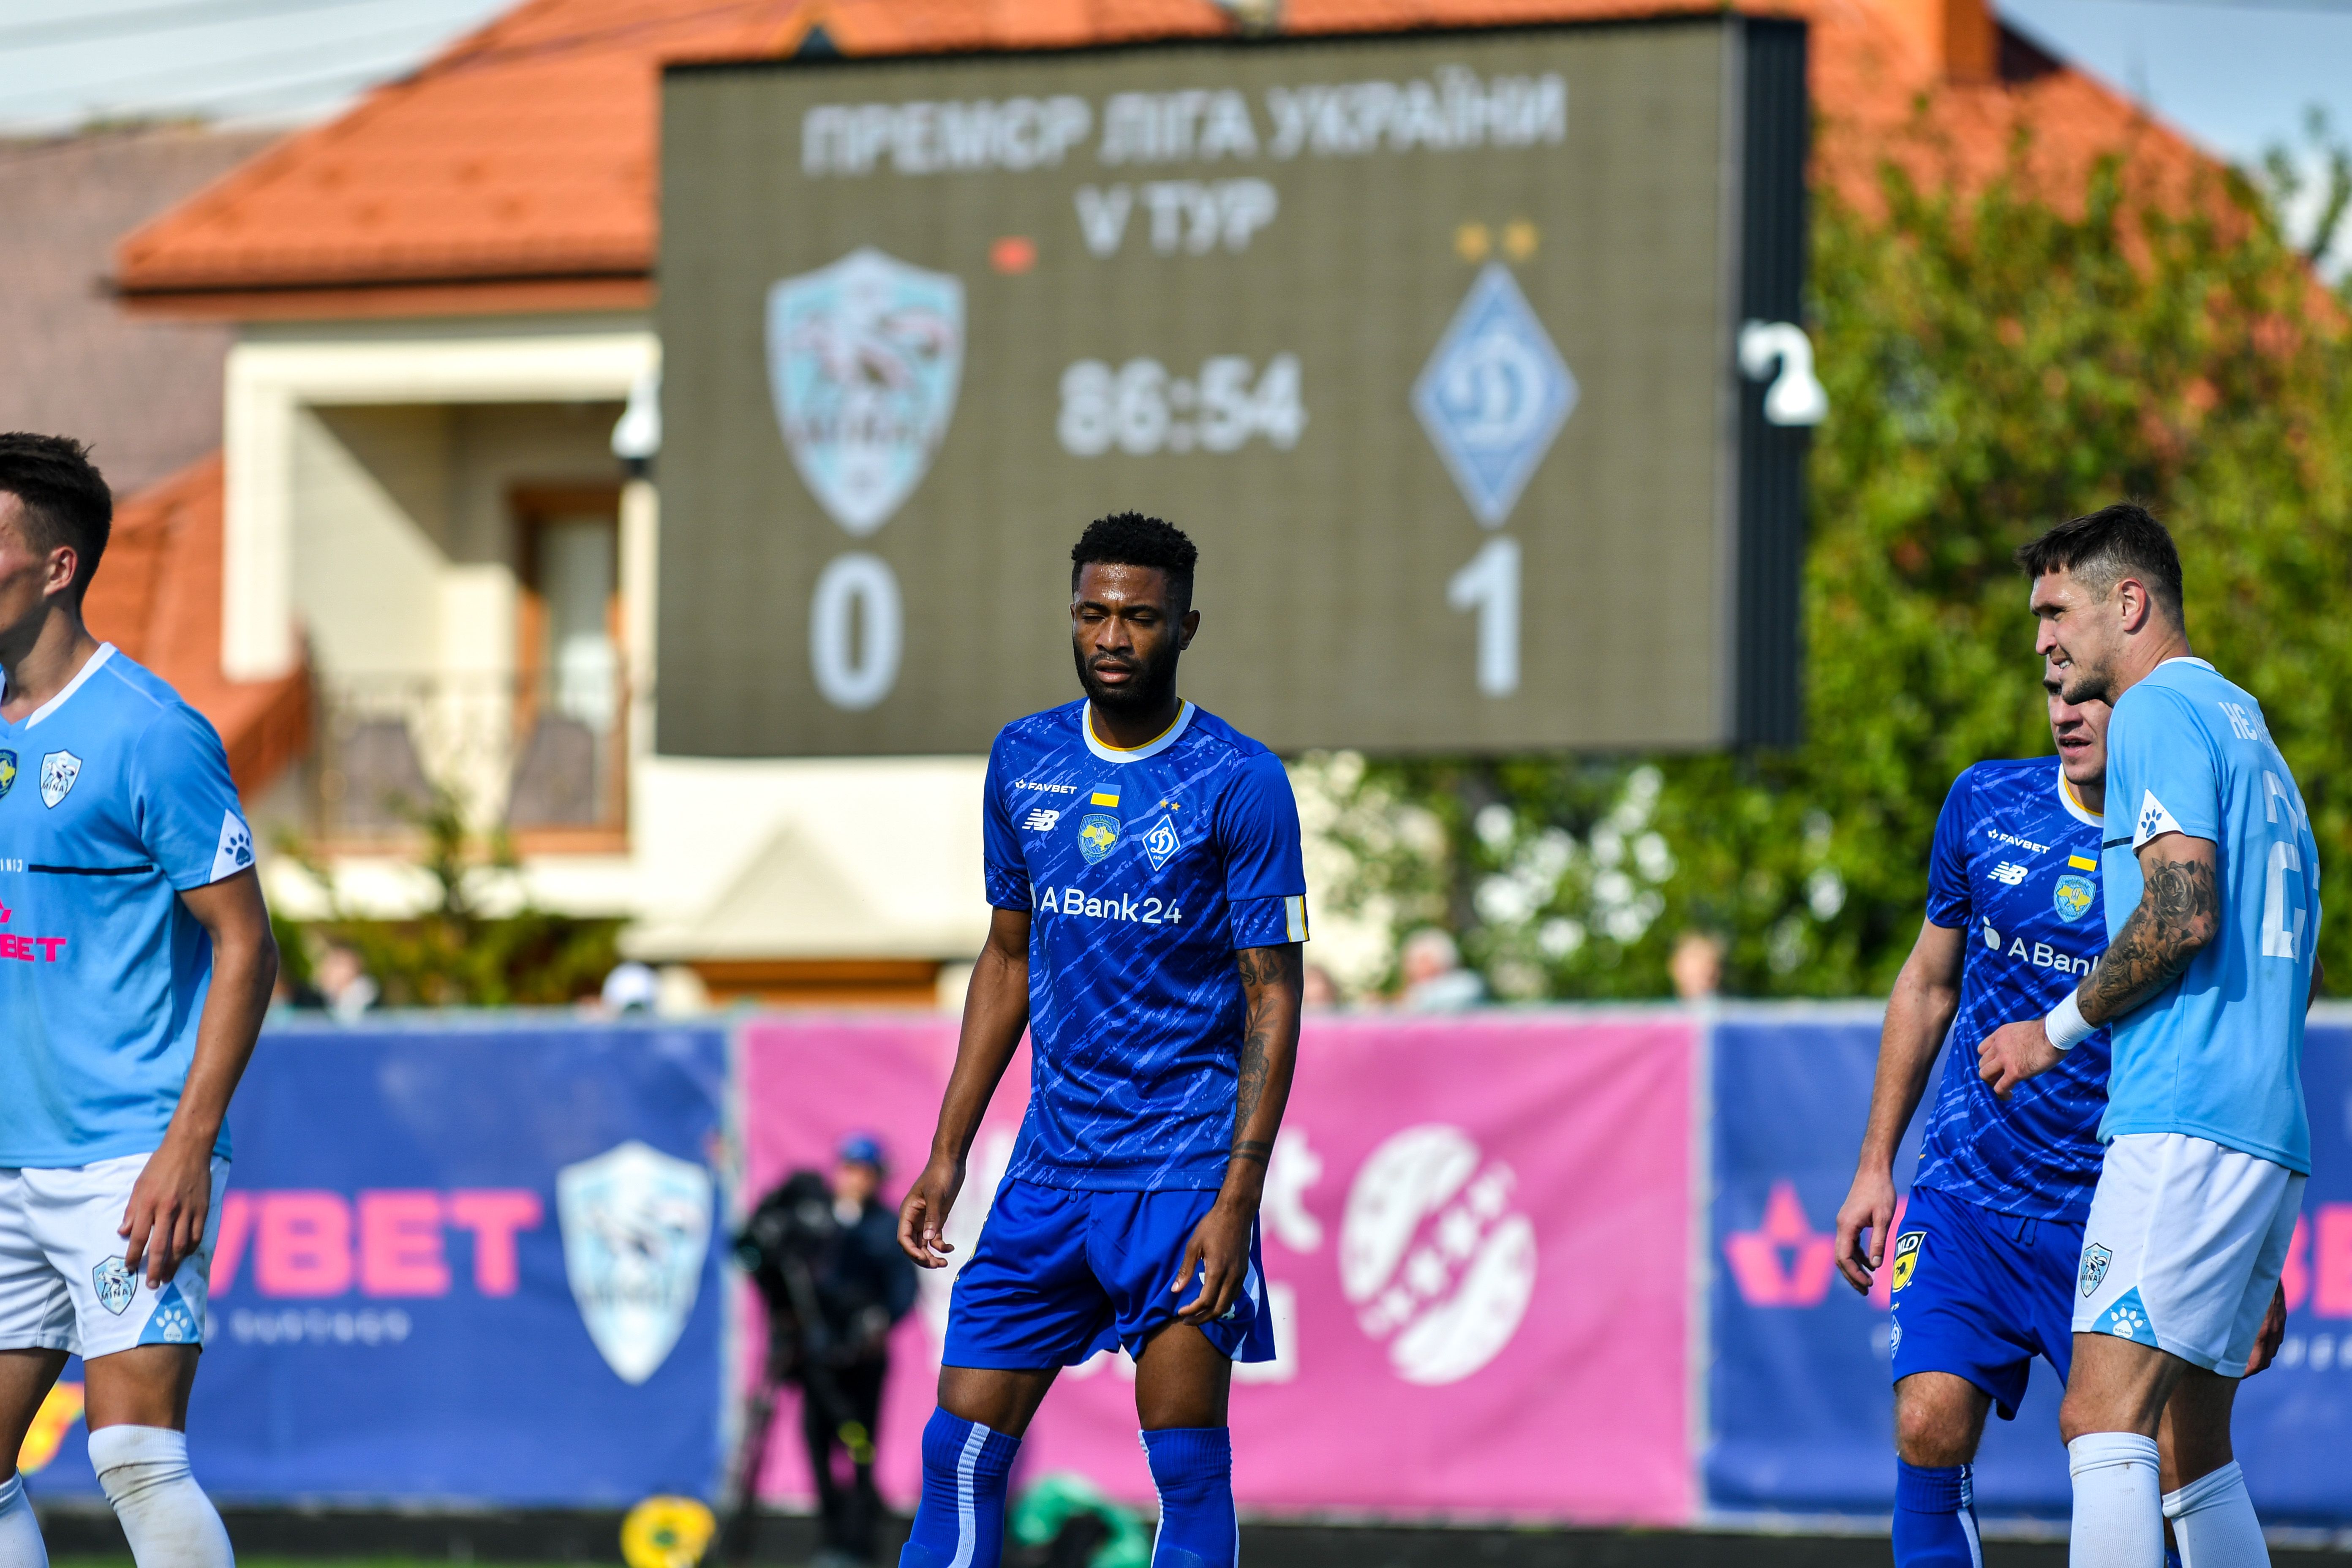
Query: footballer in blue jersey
(2212, 911)
(1142, 864)
(1981, 1258)
(135, 966)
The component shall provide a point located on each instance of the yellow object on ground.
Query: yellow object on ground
(667, 1532)
(60, 1410)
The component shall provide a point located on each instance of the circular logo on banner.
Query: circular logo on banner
(1433, 1255)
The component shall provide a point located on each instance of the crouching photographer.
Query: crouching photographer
(826, 1261)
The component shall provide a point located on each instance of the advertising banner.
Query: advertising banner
(1474, 1249)
(464, 1265)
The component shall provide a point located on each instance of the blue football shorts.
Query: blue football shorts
(1057, 1276)
(1979, 1294)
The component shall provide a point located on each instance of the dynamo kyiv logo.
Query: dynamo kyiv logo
(864, 359)
(1494, 395)
(636, 1225)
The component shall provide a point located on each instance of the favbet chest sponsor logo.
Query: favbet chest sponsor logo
(27, 949)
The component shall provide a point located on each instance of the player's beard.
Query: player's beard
(1153, 687)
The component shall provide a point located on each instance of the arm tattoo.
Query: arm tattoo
(1261, 970)
(2175, 916)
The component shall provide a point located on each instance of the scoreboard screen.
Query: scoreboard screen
(1434, 342)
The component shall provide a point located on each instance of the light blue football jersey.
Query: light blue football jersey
(2218, 1054)
(114, 798)
(1143, 872)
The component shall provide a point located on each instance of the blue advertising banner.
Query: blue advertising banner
(473, 1264)
(1801, 1412)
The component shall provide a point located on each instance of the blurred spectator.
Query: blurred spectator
(344, 980)
(630, 987)
(1319, 991)
(1696, 965)
(865, 1285)
(1435, 980)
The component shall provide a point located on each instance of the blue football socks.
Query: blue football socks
(1192, 1467)
(1935, 1518)
(960, 1519)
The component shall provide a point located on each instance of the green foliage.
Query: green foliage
(1995, 363)
(456, 955)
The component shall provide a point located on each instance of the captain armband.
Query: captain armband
(2066, 1026)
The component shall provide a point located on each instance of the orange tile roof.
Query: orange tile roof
(157, 596)
(517, 169)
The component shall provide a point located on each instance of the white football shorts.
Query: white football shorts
(2184, 1246)
(63, 1285)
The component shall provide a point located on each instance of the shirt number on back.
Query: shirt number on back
(2281, 940)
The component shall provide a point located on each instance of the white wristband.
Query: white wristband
(2066, 1026)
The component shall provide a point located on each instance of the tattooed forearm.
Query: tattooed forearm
(1270, 985)
(2179, 906)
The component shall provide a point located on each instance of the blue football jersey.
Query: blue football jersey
(1143, 871)
(2016, 864)
(114, 799)
(2217, 1054)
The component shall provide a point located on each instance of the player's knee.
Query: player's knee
(1933, 1432)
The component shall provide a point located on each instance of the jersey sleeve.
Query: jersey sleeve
(1002, 868)
(1948, 902)
(182, 804)
(2161, 755)
(1265, 877)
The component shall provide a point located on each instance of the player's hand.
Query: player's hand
(1869, 1206)
(170, 1202)
(923, 1215)
(2013, 1053)
(1218, 1257)
(2274, 1334)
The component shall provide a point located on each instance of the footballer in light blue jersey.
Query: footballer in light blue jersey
(1979, 1270)
(135, 966)
(2218, 1054)
(2212, 908)
(116, 799)
(1148, 905)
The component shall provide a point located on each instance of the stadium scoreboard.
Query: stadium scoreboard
(1432, 342)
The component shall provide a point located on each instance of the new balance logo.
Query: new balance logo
(2008, 873)
(1041, 820)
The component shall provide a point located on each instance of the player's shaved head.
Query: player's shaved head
(1131, 539)
(2101, 549)
(62, 500)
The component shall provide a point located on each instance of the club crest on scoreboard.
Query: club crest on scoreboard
(863, 360)
(1494, 395)
(637, 1226)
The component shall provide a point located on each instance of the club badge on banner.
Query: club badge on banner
(1459, 1211)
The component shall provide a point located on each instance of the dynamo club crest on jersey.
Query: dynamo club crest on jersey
(2073, 896)
(637, 1226)
(1161, 842)
(863, 360)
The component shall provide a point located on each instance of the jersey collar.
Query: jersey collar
(1151, 748)
(2186, 658)
(89, 667)
(2073, 802)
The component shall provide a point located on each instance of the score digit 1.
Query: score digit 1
(1490, 585)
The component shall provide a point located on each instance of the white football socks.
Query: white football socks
(20, 1532)
(2119, 1501)
(2213, 1519)
(166, 1516)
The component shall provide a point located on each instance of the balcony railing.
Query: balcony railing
(544, 759)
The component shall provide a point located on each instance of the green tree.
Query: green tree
(1996, 361)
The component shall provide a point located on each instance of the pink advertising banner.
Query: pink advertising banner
(1477, 1248)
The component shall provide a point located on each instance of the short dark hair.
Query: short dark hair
(2104, 547)
(1131, 539)
(65, 498)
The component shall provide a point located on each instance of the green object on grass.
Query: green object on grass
(1039, 1514)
